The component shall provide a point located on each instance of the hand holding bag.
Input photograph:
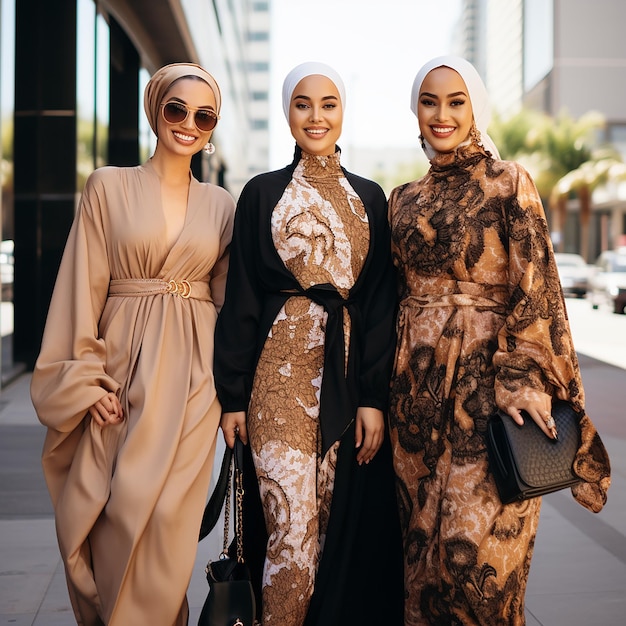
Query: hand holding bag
(527, 464)
(230, 601)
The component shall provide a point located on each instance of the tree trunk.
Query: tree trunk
(584, 198)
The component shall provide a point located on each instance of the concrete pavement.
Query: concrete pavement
(577, 577)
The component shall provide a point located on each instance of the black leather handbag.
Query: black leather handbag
(230, 601)
(524, 462)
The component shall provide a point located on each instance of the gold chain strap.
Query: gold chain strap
(239, 493)
(224, 553)
(239, 505)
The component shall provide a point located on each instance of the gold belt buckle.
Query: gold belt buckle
(182, 289)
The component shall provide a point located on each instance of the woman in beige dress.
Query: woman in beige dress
(482, 325)
(124, 379)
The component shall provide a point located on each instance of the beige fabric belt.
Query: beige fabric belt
(459, 293)
(129, 287)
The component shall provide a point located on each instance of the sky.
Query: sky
(377, 46)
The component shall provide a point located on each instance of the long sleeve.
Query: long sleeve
(219, 271)
(70, 375)
(535, 347)
(377, 303)
(236, 334)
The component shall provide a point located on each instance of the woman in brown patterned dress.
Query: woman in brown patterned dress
(482, 324)
(304, 347)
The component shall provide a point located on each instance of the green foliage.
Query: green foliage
(512, 136)
(86, 159)
(7, 138)
(549, 147)
(6, 163)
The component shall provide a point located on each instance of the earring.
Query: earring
(422, 142)
(209, 148)
(475, 135)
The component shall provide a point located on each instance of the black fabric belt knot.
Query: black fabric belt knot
(339, 388)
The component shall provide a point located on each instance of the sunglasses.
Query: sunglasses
(176, 113)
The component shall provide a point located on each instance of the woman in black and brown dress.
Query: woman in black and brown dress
(481, 325)
(305, 343)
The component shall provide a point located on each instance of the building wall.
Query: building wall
(472, 34)
(258, 53)
(504, 61)
(590, 58)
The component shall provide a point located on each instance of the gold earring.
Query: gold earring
(475, 135)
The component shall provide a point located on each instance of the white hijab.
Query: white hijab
(477, 94)
(311, 68)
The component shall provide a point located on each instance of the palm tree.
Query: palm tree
(512, 134)
(607, 167)
(554, 150)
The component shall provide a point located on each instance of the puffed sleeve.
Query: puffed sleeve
(69, 374)
(236, 333)
(535, 347)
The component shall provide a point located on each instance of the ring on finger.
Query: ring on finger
(549, 420)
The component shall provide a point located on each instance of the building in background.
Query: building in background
(71, 95)
(555, 55)
(258, 79)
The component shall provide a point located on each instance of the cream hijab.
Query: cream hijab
(311, 68)
(161, 81)
(477, 94)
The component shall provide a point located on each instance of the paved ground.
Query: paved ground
(578, 573)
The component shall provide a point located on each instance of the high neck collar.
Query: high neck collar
(462, 156)
(317, 166)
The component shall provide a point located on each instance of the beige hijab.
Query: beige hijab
(161, 81)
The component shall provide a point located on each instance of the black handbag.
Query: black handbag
(524, 462)
(230, 601)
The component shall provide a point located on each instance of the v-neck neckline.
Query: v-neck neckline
(170, 246)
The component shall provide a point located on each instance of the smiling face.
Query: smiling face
(444, 109)
(316, 115)
(184, 138)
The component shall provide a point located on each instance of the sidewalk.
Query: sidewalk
(577, 577)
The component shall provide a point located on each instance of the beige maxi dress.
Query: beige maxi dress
(131, 316)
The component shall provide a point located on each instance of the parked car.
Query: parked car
(608, 282)
(574, 273)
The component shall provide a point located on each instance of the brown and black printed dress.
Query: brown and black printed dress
(311, 277)
(320, 231)
(481, 318)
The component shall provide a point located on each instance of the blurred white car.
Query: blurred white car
(608, 282)
(574, 273)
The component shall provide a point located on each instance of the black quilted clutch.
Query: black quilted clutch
(524, 462)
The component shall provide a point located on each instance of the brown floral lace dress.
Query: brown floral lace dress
(481, 319)
(320, 230)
